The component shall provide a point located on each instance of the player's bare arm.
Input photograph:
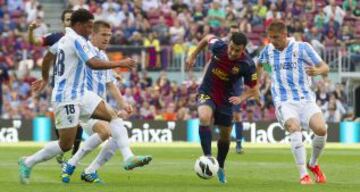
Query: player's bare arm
(203, 43)
(47, 62)
(250, 92)
(99, 64)
(115, 93)
(320, 69)
(32, 39)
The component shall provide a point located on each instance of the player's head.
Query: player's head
(234, 28)
(101, 34)
(66, 17)
(277, 33)
(237, 45)
(82, 22)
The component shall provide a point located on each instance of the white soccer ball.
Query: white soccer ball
(206, 167)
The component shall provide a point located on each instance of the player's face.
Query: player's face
(102, 37)
(278, 39)
(234, 51)
(67, 19)
(86, 28)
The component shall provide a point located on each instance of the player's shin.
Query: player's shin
(107, 151)
(223, 149)
(90, 144)
(49, 151)
(205, 139)
(298, 149)
(318, 144)
(120, 135)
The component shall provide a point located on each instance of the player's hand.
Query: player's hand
(128, 108)
(190, 63)
(128, 63)
(38, 85)
(312, 71)
(33, 25)
(235, 100)
(117, 77)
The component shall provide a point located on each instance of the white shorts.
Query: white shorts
(68, 114)
(300, 110)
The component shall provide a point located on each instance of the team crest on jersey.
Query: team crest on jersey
(70, 118)
(86, 49)
(235, 70)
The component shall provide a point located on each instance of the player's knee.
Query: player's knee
(104, 135)
(292, 127)
(320, 130)
(65, 147)
(205, 119)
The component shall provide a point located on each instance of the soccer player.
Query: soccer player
(70, 97)
(228, 63)
(291, 65)
(236, 109)
(49, 58)
(99, 81)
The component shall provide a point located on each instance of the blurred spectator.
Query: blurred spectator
(4, 77)
(81, 4)
(332, 11)
(215, 16)
(110, 4)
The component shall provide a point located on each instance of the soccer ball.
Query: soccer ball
(206, 167)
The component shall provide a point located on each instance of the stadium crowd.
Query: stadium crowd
(176, 26)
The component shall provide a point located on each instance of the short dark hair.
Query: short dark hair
(66, 11)
(238, 38)
(277, 26)
(100, 23)
(81, 16)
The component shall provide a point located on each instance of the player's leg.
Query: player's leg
(287, 115)
(224, 122)
(99, 132)
(205, 116)
(67, 126)
(238, 130)
(78, 140)
(317, 124)
(118, 133)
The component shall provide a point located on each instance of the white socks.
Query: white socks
(120, 135)
(90, 144)
(49, 151)
(298, 149)
(107, 151)
(318, 144)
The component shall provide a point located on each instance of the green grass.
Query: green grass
(259, 169)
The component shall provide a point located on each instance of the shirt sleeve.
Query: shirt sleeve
(53, 48)
(250, 76)
(310, 56)
(264, 56)
(51, 38)
(216, 45)
(83, 50)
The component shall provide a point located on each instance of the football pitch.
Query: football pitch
(260, 168)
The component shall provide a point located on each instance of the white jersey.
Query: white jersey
(72, 54)
(289, 81)
(96, 80)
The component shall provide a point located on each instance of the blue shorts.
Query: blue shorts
(236, 108)
(222, 114)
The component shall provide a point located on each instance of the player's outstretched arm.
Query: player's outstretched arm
(32, 39)
(47, 62)
(99, 64)
(115, 93)
(319, 69)
(250, 92)
(203, 43)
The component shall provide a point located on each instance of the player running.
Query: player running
(99, 81)
(228, 64)
(50, 40)
(70, 98)
(291, 65)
